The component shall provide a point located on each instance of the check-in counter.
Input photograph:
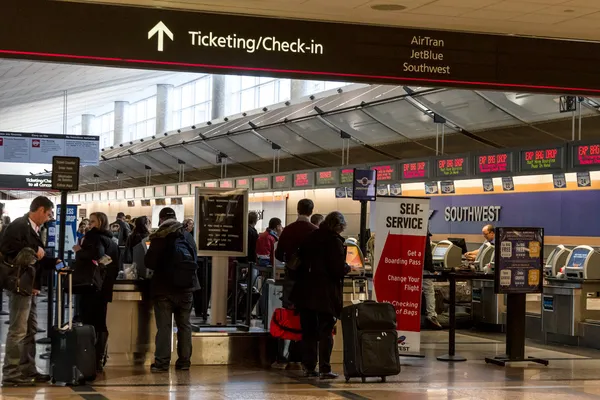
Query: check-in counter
(487, 307)
(131, 324)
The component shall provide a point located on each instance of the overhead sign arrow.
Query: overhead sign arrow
(161, 30)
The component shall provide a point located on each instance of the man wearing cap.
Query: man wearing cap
(169, 247)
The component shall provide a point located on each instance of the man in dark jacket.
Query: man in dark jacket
(170, 297)
(124, 228)
(19, 362)
(428, 288)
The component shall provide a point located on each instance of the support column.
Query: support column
(300, 89)
(218, 97)
(121, 125)
(164, 94)
(86, 124)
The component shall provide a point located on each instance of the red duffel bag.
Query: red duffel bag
(285, 324)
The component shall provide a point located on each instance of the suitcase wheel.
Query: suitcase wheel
(53, 381)
(364, 379)
(347, 379)
(383, 379)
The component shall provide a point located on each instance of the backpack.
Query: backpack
(184, 264)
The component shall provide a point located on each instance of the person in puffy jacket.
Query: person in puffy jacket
(317, 293)
(95, 246)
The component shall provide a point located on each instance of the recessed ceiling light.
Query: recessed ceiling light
(388, 7)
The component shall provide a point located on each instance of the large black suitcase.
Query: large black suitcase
(370, 341)
(72, 349)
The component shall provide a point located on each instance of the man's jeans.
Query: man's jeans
(429, 292)
(19, 359)
(165, 307)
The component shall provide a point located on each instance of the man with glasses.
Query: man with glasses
(490, 237)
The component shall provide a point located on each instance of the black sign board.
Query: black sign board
(494, 164)
(25, 182)
(65, 173)
(585, 156)
(221, 43)
(327, 177)
(542, 160)
(283, 181)
(452, 167)
(364, 187)
(222, 221)
(417, 170)
(519, 260)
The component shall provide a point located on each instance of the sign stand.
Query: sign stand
(218, 300)
(518, 271)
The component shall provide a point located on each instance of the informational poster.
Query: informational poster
(40, 148)
(267, 210)
(559, 180)
(488, 184)
(584, 179)
(401, 233)
(364, 186)
(222, 222)
(179, 213)
(519, 260)
(71, 228)
(508, 185)
(447, 187)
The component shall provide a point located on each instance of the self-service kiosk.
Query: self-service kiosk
(446, 255)
(556, 260)
(571, 303)
(487, 306)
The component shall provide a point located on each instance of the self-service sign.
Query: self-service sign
(401, 234)
(65, 173)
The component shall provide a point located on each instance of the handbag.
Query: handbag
(19, 276)
(285, 324)
(90, 277)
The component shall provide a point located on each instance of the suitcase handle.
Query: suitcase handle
(59, 296)
(354, 285)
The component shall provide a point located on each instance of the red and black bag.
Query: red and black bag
(285, 324)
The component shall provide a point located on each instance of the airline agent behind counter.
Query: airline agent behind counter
(489, 234)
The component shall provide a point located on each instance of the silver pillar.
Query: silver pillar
(218, 97)
(218, 299)
(86, 124)
(163, 108)
(121, 125)
(300, 89)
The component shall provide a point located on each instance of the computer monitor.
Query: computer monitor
(440, 250)
(461, 243)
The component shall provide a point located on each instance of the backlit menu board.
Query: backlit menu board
(326, 178)
(304, 179)
(542, 160)
(585, 156)
(494, 164)
(385, 173)
(346, 175)
(415, 170)
(283, 181)
(452, 167)
(243, 183)
(260, 183)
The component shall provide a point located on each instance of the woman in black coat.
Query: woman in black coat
(96, 244)
(140, 232)
(317, 293)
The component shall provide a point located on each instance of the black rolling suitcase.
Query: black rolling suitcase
(370, 341)
(73, 349)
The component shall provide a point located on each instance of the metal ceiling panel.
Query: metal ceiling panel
(190, 158)
(245, 147)
(284, 137)
(355, 98)
(364, 128)
(467, 109)
(318, 133)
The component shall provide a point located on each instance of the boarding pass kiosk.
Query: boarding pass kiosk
(556, 261)
(573, 297)
(446, 255)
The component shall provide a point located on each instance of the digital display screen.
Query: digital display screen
(385, 173)
(210, 184)
(326, 178)
(577, 258)
(282, 182)
(242, 183)
(440, 250)
(540, 160)
(303, 179)
(415, 170)
(365, 185)
(261, 183)
(346, 175)
(226, 184)
(492, 164)
(587, 155)
(452, 167)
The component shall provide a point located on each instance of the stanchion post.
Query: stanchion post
(451, 356)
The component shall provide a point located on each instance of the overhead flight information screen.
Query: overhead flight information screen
(452, 167)
(261, 183)
(415, 170)
(542, 160)
(243, 183)
(493, 164)
(282, 182)
(586, 155)
(303, 179)
(385, 173)
(326, 178)
(346, 175)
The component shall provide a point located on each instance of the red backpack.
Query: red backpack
(285, 324)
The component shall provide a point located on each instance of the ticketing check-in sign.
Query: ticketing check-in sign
(401, 234)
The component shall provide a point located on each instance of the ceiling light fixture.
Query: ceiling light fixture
(388, 7)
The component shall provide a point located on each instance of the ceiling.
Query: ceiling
(383, 123)
(577, 19)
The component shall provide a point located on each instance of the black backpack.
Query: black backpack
(184, 263)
